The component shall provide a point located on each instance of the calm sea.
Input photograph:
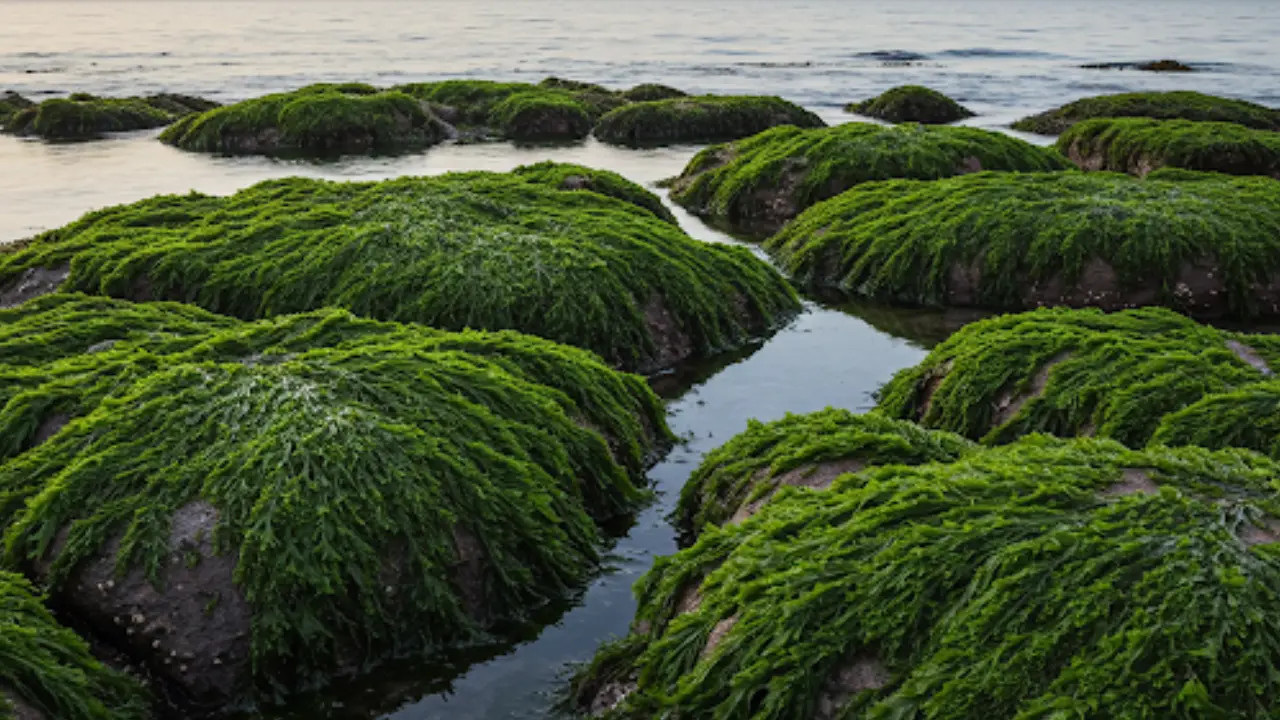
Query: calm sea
(1002, 58)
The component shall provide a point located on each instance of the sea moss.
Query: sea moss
(84, 117)
(793, 451)
(47, 669)
(1047, 579)
(1208, 247)
(468, 250)
(315, 119)
(649, 92)
(1136, 377)
(534, 116)
(1178, 105)
(1141, 145)
(911, 103)
(708, 118)
(770, 178)
(485, 107)
(566, 176)
(330, 446)
(10, 103)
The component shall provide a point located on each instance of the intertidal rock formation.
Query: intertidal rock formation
(707, 118)
(86, 117)
(1140, 145)
(1177, 105)
(911, 103)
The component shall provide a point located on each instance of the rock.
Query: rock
(85, 117)
(318, 119)
(1014, 581)
(1177, 105)
(541, 116)
(1137, 376)
(758, 184)
(564, 176)
(49, 673)
(316, 492)
(1140, 145)
(10, 103)
(911, 103)
(650, 92)
(1204, 244)
(560, 110)
(708, 118)
(470, 250)
(1149, 66)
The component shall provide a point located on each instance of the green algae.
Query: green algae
(1016, 241)
(50, 670)
(1048, 579)
(469, 250)
(519, 111)
(773, 176)
(649, 92)
(1140, 145)
(1138, 376)
(1177, 105)
(10, 103)
(83, 117)
(707, 118)
(327, 443)
(750, 466)
(565, 176)
(911, 103)
(315, 119)
(535, 116)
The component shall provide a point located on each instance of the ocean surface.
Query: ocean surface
(1002, 58)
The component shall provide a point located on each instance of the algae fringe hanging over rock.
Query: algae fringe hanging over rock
(253, 508)
(1139, 146)
(468, 250)
(1177, 105)
(1203, 243)
(47, 671)
(707, 118)
(1046, 579)
(1137, 376)
(86, 117)
(911, 103)
(765, 180)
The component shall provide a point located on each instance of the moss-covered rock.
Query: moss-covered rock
(85, 117)
(765, 180)
(566, 176)
(555, 110)
(1141, 145)
(649, 92)
(316, 119)
(911, 103)
(10, 103)
(811, 451)
(1208, 246)
(1138, 376)
(468, 250)
(47, 672)
(574, 86)
(1046, 579)
(251, 508)
(707, 118)
(541, 116)
(1177, 105)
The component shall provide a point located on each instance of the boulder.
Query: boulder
(708, 118)
(648, 92)
(468, 250)
(911, 103)
(1204, 244)
(10, 103)
(541, 116)
(557, 110)
(85, 117)
(1140, 145)
(1177, 105)
(759, 183)
(1049, 578)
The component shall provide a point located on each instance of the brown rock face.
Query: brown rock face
(31, 284)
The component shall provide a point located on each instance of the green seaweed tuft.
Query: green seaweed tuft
(565, 176)
(707, 118)
(1140, 145)
(649, 92)
(911, 103)
(84, 117)
(1178, 105)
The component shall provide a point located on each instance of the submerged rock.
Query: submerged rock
(1178, 105)
(1138, 376)
(1049, 578)
(320, 119)
(252, 509)
(1205, 244)
(911, 103)
(706, 118)
(765, 180)
(86, 117)
(48, 672)
(1140, 145)
(528, 251)
(1150, 66)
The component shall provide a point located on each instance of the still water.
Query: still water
(1002, 58)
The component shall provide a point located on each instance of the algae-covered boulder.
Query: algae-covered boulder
(541, 116)
(765, 180)
(1205, 244)
(809, 451)
(316, 119)
(1048, 579)
(10, 103)
(85, 117)
(707, 118)
(649, 92)
(47, 672)
(251, 509)
(566, 176)
(1137, 376)
(911, 103)
(468, 250)
(1177, 105)
(1175, 66)
(555, 110)
(1141, 145)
